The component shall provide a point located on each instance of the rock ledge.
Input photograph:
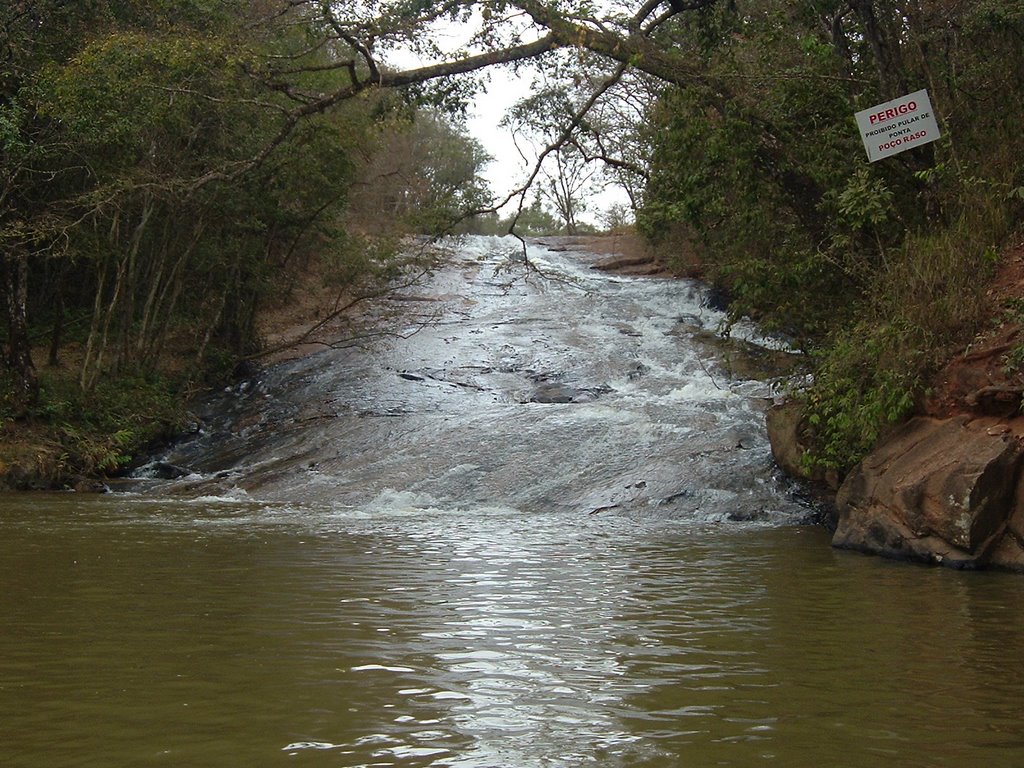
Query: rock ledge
(939, 490)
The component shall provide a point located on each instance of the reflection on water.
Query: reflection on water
(143, 633)
(545, 532)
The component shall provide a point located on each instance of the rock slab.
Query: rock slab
(938, 490)
(789, 436)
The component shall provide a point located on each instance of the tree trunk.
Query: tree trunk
(20, 368)
(57, 332)
(885, 46)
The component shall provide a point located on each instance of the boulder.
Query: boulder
(789, 437)
(621, 263)
(786, 433)
(938, 490)
(554, 393)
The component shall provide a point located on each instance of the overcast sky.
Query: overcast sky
(508, 169)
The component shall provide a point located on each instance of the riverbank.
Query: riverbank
(76, 440)
(943, 487)
(946, 485)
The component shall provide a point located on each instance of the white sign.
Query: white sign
(903, 123)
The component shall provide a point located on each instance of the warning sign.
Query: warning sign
(903, 123)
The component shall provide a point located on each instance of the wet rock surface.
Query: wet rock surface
(558, 387)
(938, 490)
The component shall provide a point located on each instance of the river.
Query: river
(540, 528)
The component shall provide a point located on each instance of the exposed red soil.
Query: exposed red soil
(981, 381)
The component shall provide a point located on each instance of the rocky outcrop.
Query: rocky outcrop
(939, 490)
(628, 254)
(948, 486)
(641, 264)
(790, 438)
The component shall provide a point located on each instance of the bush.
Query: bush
(925, 301)
(99, 431)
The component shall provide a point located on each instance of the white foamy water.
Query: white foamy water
(545, 387)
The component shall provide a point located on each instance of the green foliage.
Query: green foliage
(534, 220)
(1013, 363)
(12, 117)
(101, 430)
(449, 164)
(749, 172)
(144, 108)
(866, 203)
(161, 188)
(864, 383)
(923, 302)
(880, 269)
(424, 176)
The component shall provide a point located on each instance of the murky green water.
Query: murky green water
(144, 633)
(543, 531)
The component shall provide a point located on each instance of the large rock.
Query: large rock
(790, 437)
(939, 490)
(787, 435)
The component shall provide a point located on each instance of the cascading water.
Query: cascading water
(551, 388)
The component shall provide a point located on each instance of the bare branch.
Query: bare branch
(629, 50)
(351, 40)
(562, 139)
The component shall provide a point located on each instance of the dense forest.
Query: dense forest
(170, 168)
(162, 183)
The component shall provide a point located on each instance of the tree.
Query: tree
(360, 35)
(153, 153)
(878, 269)
(533, 220)
(422, 174)
(569, 186)
(117, 134)
(750, 156)
(617, 133)
(24, 43)
(566, 175)
(616, 217)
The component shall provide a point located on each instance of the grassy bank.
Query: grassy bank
(70, 437)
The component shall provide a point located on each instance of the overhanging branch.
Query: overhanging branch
(630, 49)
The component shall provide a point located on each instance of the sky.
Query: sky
(508, 169)
(508, 166)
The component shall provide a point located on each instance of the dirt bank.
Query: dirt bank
(986, 377)
(628, 253)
